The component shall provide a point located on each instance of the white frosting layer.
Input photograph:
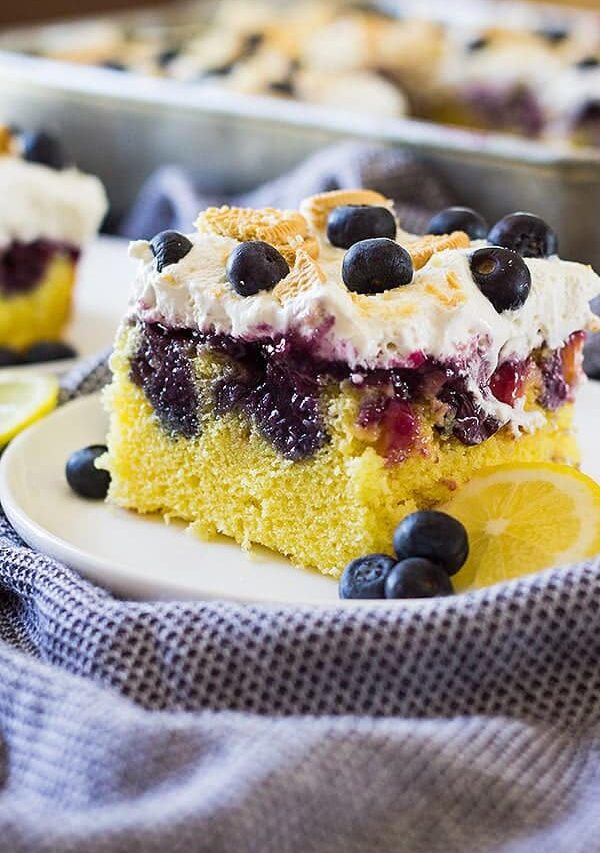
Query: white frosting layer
(442, 313)
(39, 202)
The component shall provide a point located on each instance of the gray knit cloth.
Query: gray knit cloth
(465, 725)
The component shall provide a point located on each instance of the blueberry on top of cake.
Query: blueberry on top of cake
(303, 379)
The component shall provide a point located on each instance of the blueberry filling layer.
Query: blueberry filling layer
(515, 109)
(23, 265)
(162, 366)
(278, 384)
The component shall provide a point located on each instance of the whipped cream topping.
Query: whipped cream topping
(65, 206)
(442, 313)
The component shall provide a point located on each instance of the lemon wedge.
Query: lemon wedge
(525, 517)
(24, 400)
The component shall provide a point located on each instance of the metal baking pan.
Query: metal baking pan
(123, 126)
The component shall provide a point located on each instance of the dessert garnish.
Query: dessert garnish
(254, 266)
(430, 546)
(375, 265)
(434, 536)
(458, 219)
(169, 247)
(41, 147)
(365, 577)
(350, 223)
(526, 234)
(83, 477)
(417, 577)
(502, 277)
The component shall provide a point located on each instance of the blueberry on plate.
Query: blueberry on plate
(254, 266)
(41, 147)
(526, 234)
(49, 351)
(350, 223)
(365, 577)
(459, 219)
(82, 475)
(432, 535)
(416, 577)
(9, 357)
(375, 265)
(502, 276)
(169, 247)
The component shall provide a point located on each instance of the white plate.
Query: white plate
(103, 282)
(142, 557)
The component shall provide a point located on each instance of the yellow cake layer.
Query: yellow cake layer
(322, 512)
(42, 313)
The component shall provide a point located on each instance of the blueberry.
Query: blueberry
(41, 147)
(434, 536)
(82, 475)
(168, 247)
(365, 577)
(283, 87)
(254, 266)
(526, 234)
(587, 62)
(166, 57)
(459, 219)
(9, 357)
(113, 65)
(554, 35)
(589, 113)
(417, 578)
(476, 44)
(350, 223)
(49, 351)
(376, 265)
(502, 276)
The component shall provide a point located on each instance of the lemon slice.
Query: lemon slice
(24, 400)
(525, 517)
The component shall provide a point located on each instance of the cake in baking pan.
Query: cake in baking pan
(502, 66)
(304, 379)
(48, 212)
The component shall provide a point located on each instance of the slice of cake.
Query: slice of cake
(303, 380)
(47, 214)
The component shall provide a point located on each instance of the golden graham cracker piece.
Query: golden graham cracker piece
(316, 208)
(305, 275)
(286, 230)
(422, 249)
